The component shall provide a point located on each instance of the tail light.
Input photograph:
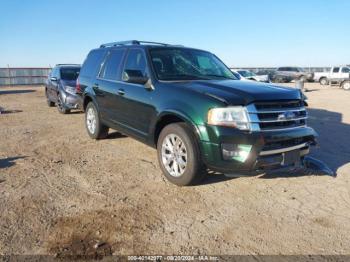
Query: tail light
(77, 87)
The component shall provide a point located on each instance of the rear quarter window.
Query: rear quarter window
(92, 62)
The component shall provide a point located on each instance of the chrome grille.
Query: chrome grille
(277, 115)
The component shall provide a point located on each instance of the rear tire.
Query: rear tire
(323, 81)
(94, 127)
(346, 85)
(179, 155)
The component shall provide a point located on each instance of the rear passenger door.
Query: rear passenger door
(107, 87)
(345, 72)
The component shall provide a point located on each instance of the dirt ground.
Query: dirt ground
(63, 193)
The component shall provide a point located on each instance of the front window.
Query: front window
(136, 61)
(345, 70)
(173, 64)
(70, 73)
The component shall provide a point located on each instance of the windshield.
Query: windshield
(188, 64)
(246, 73)
(69, 73)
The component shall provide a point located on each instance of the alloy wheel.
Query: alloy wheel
(174, 155)
(91, 120)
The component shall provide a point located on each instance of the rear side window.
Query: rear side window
(336, 70)
(111, 66)
(92, 61)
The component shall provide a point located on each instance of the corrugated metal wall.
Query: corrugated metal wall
(23, 76)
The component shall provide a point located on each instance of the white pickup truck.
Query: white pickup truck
(338, 75)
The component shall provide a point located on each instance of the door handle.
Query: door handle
(121, 92)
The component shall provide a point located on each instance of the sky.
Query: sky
(40, 33)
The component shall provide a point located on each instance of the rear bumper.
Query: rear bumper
(268, 149)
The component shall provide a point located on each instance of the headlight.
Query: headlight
(236, 116)
(70, 89)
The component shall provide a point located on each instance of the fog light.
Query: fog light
(236, 152)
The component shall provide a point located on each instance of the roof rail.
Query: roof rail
(67, 64)
(131, 42)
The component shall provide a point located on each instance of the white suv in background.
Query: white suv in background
(337, 74)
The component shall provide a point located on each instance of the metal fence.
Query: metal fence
(23, 76)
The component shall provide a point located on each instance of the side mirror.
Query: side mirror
(53, 79)
(134, 76)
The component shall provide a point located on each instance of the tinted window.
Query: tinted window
(336, 70)
(282, 69)
(136, 61)
(111, 66)
(69, 73)
(93, 60)
(345, 70)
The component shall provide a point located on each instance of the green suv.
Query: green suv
(188, 105)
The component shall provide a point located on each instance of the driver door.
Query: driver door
(137, 100)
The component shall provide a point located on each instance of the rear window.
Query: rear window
(91, 63)
(69, 73)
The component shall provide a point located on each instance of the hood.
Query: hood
(236, 92)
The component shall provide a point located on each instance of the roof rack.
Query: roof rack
(132, 42)
(67, 64)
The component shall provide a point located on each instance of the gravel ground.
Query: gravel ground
(63, 193)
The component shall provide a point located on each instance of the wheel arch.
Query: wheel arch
(86, 100)
(343, 82)
(170, 117)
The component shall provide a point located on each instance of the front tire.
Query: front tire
(179, 155)
(346, 85)
(60, 106)
(94, 127)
